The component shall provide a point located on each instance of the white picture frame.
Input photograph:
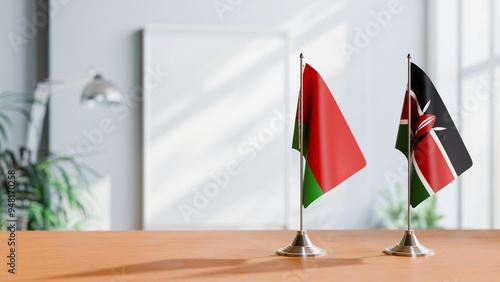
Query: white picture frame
(216, 127)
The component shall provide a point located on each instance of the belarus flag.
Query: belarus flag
(331, 151)
(438, 152)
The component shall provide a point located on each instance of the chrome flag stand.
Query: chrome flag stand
(301, 245)
(409, 246)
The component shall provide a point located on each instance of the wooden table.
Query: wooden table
(355, 255)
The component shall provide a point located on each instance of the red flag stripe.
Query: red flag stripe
(431, 163)
(444, 154)
(332, 153)
(415, 109)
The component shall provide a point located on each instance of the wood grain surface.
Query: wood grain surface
(353, 255)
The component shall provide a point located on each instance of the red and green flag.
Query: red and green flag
(331, 152)
(438, 153)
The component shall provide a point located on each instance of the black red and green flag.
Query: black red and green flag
(438, 153)
(331, 152)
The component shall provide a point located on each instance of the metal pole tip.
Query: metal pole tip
(409, 56)
(301, 56)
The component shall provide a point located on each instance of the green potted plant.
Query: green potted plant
(48, 193)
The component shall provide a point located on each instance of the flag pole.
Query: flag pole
(301, 141)
(409, 140)
(409, 246)
(301, 245)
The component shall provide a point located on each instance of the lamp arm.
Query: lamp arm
(72, 80)
(98, 88)
(38, 111)
(39, 108)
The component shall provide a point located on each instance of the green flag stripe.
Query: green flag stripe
(418, 193)
(402, 139)
(312, 191)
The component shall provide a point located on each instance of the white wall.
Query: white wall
(368, 85)
(17, 57)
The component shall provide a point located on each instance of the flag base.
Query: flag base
(301, 247)
(409, 247)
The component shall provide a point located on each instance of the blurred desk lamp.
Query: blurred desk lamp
(102, 91)
(97, 90)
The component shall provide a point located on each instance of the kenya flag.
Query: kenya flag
(438, 153)
(330, 149)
